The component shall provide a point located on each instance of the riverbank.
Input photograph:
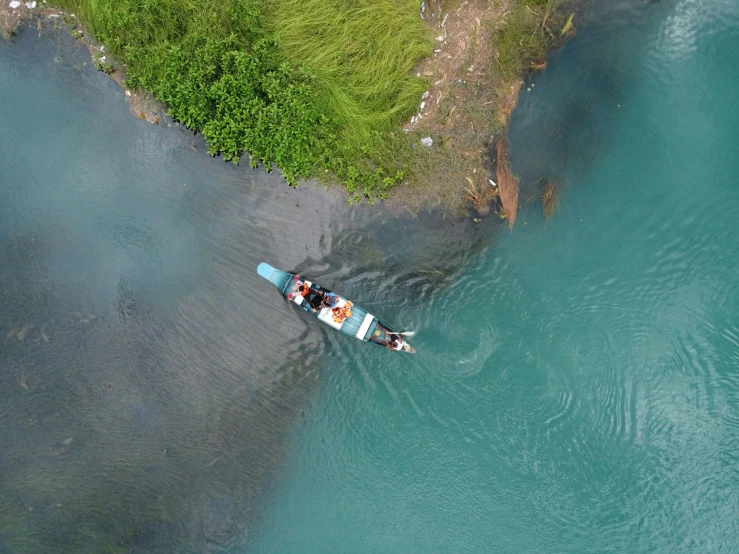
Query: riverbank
(484, 51)
(415, 112)
(574, 389)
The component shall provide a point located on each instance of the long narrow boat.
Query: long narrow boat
(343, 315)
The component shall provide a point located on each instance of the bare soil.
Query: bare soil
(467, 108)
(10, 18)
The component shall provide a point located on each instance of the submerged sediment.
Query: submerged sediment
(142, 104)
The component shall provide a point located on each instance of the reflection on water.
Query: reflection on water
(148, 376)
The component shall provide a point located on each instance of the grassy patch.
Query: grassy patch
(308, 85)
(362, 53)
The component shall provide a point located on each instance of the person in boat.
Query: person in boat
(393, 341)
(313, 298)
(330, 299)
(316, 299)
(321, 299)
(327, 300)
(301, 288)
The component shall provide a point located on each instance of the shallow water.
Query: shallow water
(148, 376)
(575, 387)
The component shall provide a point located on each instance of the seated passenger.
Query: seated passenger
(300, 288)
(330, 300)
(393, 341)
(317, 300)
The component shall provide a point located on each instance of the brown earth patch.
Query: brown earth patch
(10, 18)
(468, 105)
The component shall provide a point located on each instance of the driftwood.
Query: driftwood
(549, 199)
(507, 184)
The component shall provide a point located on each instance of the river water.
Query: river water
(576, 387)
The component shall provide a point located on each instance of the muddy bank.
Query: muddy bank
(41, 18)
(460, 128)
(474, 87)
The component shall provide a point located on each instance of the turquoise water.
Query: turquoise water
(576, 387)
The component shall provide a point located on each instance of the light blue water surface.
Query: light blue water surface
(576, 387)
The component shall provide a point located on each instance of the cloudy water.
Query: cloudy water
(576, 386)
(148, 376)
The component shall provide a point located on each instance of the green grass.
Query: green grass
(308, 85)
(530, 30)
(362, 53)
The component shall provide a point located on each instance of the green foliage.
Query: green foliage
(242, 101)
(569, 27)
(105, 67)
(308, 85)
(102, 65)
(218, 73)
(521, 39)
(362, 54)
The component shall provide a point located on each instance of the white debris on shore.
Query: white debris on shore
(419, 116)
(14, 5)
(427, 141)
(31, 5)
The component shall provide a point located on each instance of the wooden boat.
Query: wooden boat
(343, 315)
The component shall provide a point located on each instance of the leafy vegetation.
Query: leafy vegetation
(317, 87)
(242, 101)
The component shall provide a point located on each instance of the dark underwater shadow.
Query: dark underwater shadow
(569, 115)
